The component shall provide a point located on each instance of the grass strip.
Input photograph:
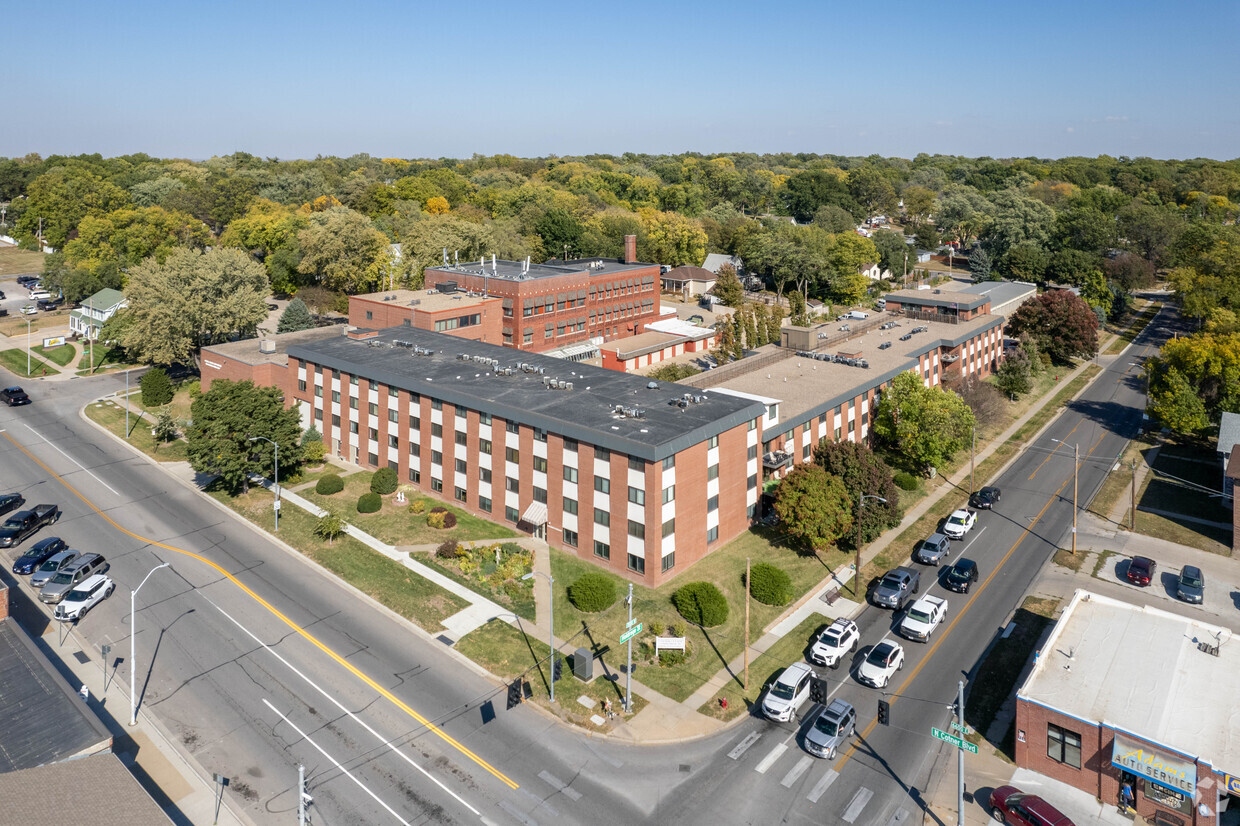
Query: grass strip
(15, 360)
(1128, 334)
(767, 666)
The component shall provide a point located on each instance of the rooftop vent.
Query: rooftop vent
(266, 346)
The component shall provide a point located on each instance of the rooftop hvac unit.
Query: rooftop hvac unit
(266, 346)
(568, 385)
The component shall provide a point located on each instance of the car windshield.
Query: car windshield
(956, 520)
(893, 582)
(958, 573)
(13, 524)
(879, 655)
(1191, 580)
(52, 565)
(62, 579)
(78, 594)
(827, 726)
(918, 615)
(783, 691)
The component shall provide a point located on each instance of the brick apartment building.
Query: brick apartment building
(548, 306)
(457, 312)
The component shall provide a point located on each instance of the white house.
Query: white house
(97, 309)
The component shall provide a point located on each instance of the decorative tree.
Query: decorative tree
(814, 506)
(925, 424)
(863, 471)
(728, 287)
(296, 316)
(156, 387)
(1060, 322)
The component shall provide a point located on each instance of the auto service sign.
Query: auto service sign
(53, 342)
(1157, 766)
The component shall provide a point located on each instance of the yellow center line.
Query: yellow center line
(1052, 453)
(939, 640)
(434, 729)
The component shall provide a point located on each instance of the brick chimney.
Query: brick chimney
(630, 249)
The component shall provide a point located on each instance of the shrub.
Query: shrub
(310, 435)
(165, 429)
(313, 453)
(439, 509)
(701, 603)
(329, 526)
(906, 481)
(592, 592)
(449, 520)
(448, 549)
(435, 520)
(383, 481)
(670, 658)
(417, 506)
(770, 585)
(194, 388)
(329, 484)
(369, 503)
(156, 387)
(679, 629)
(656, 628)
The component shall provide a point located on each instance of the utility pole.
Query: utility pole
(628, 670)
(747, 569)
(960, 755)
(301, 795)
(1132, 499)
(973, 460)
(1076, 464)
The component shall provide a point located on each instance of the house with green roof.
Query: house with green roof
(89, 319)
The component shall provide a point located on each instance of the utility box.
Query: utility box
(583, 665)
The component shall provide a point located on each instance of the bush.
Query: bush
(701, 603)
(448, 549)
(329, 484)
(439, 509)
(194, 388)
(906, 481)
(679, 629)
(770, 585)
(670, 658)
(656, 628)
(311, 435)
(417, 506)
(156, 387)
(592, 592)
(369, 503)
(383, 481)
(435, 520)
(449, 520)
(313, 453)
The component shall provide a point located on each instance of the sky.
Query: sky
(452, 79)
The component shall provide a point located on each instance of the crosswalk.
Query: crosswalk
(820, 779)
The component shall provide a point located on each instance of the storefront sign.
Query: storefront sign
(214, 365)
(1231, 784)
(55, 341)
(1171, 772)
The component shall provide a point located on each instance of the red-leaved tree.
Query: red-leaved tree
(1061, 324)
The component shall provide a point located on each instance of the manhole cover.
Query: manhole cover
(81, 657)
(684, 768)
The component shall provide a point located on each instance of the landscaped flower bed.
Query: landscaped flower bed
(493, 570)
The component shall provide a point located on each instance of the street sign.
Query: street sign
(954, 740)
(962, 729)
(630, 623)
(631, 633)
(276, 506)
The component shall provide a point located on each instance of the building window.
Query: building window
(415, 423)
(436, 457)
(570, 474)
(392, 414)
(336, 395)
(436, 429)
(540, 435)
(335, 420)
(637, 530)
(352, 427)
(712, 442)
(484, 418)
(753, 452)
(301, 385)
(512, 455)
(570, 445)
(540, 495)
(637, 564)
(753, 424)
(512, 485)
(602, 485)
(461, 438)
(805, 453)
(669, 527)
(540, 464)
(602, 517)
(393, 441)
(514, 427)
(436, 485)
(415, 476)
(570, 505)
(512, 515)
(373, 409)
(712, 504)
(484, 475)
(484, 504)
(318, 391)
(374, 459)
(353, 380)
(753, 482)
(461, 466)
(712, 534)
(374, 434)
(669, 562)
(669, 493)
(602, 454)
(602, 550)
(637, 496)
(393, 392)
(669, 462)
(353, 402)
(436, 404)
(712, 472)
(570, 538)
(1063, 746)
(484, 446)
(636, 464)
(461, 494)
(415, 449)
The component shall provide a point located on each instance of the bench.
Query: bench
(831, 595)
(662, 644)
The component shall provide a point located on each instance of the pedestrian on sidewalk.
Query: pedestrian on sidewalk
(1126, 798)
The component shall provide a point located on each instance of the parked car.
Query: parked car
(922, 617)
(896, 587)
(25, 280)
(986, 498)
(1192, 585)
(788, 693)
(933, 550)
(834, 724)
(961, 576)
(70, 576)
(1010, 805)
(52, 567)
(24, 523)
(1141, 571)
(11, 502)
(49, 304)
(960, 523)
(29, 309)
(92, 591)
(834, 643)
(13, 396)
(39, 552)
(40, 295)
(881, 664)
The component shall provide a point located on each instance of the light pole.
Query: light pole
(133, 600)
(1076, 463)
(551, 616)
(275, 478)
(861, 497)
(126, 403)
(27, 346)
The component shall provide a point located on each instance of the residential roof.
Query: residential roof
(103, 793)
(105, 298)
(42, 719)
(1140, 669)
(588, 412)
(1228, 433)
(1232, 471)
(715, 260)
(247, 350)
(688, 273)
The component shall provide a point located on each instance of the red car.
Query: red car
(1141, 570)
(1010, 805)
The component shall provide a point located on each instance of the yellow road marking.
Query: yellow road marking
(434, 729)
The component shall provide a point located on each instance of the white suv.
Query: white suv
(788, 693)
(834, 643)
(89, 593)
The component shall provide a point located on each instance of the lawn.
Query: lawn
(111, 358)
(15, 360)
(710, 649)
(111, 415)
(14, 326)
(396, 525)
(1065, 559)
(476, 569)
(510, 653)
(384, 580)
(61, 354)
(14, 261)
(766, 667)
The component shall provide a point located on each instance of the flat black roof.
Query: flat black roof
(517, 270)
(587, 413)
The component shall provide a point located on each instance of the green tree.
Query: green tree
(892, 252)
(728, 287)
(329, 526)
(1025, 262)
(561, 233)
(192, 299)
(925, 424)
(156, 387)
(341, 250)
(673, 239)
(979, 265)
(121, 239)
(226, 417)
(871, 189)
(834, 219)
(1061, 323)
(814, 506)
(75, 283)
(1015, 219)
(806, 191)
(797, 309)
(59, 199)
(1014, 376)
(673, 372)
(918, 203)
(296, 316)
(863, 472)
(1195, 379)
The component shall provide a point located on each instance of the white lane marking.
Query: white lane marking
(71, 459)
(820, 788)
(335, 762)
(858, 802)
(770, 759)
(560, 785)
(795, 772)
(384, 740)
(743, 746)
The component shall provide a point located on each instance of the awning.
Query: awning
(535, 514)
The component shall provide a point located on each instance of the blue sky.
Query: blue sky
(455, 78)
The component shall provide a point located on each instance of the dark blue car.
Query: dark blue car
(11, 502)
(39, 553)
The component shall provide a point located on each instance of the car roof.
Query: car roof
(964, 564)
(62, 555)
(793, 672)
(1191, 570)
(84, 559)
(838, 708)
(887, 643)
(1143, 560)
(961, 512)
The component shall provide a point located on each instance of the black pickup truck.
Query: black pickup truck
(23, 524)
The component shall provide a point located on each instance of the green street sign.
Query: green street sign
(954, 740)
(631, 633)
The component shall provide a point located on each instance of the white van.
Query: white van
(40, 295)
(857, 314)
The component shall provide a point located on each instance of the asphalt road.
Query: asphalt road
(394, 729)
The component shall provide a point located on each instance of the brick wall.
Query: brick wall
(216, 366)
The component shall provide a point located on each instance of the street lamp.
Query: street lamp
(133, 600)
(275, 478)
(551, 637)
(27, 346)
(861, 497)
(126, 403)
(1076, 463)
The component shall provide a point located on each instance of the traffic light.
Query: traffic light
(514, 694)
(556, 668)
(818, 690)
(884, 713)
